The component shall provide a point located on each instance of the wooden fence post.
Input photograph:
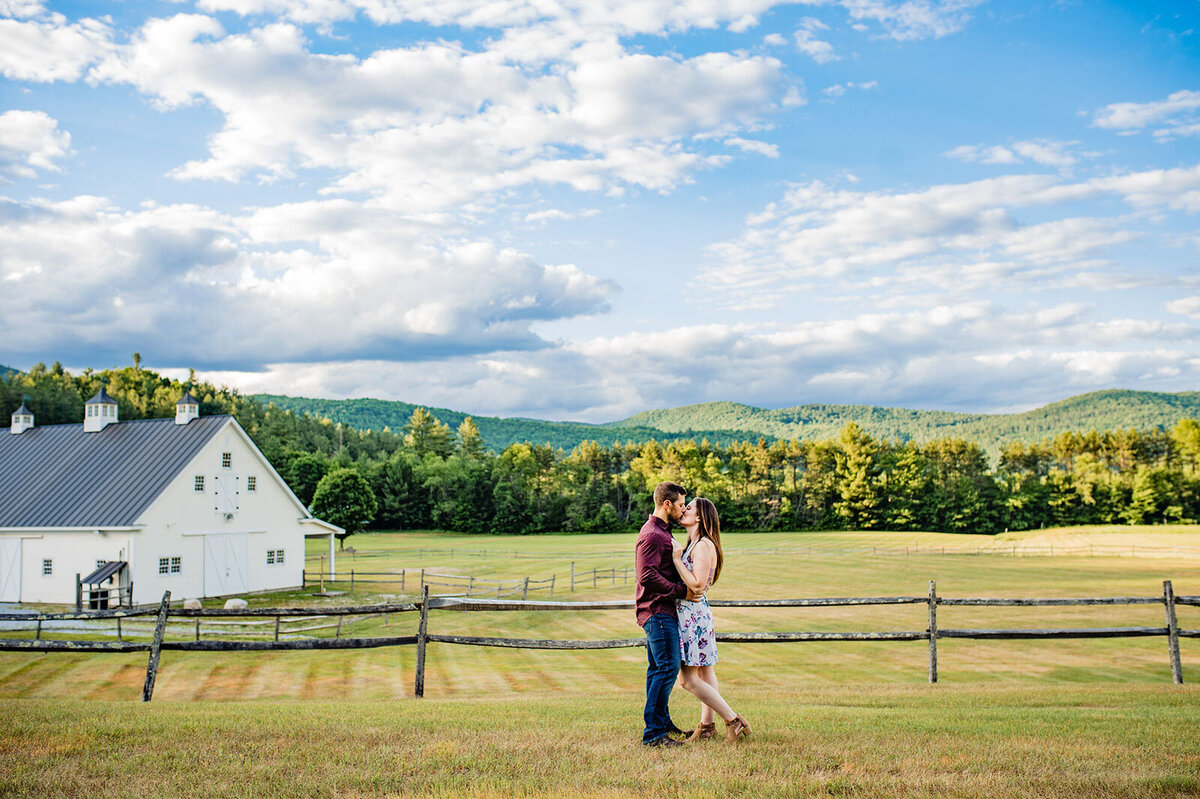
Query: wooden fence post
(276, 628)
(470, 584)
(78, 594)
(1172, 633)
(119, 637)
(552, 578)
(422, 579)
(933, 631)
(402, 580)
(352, 579)
(197, 628)
(422, 628)
(156, 647)
(303, 577)
(38, 635)
(525, 590)
(338, 632)
(572, 577)
(594, 571)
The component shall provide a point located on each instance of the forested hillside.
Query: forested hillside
(726, 422)
(497, 432)
(427, 475)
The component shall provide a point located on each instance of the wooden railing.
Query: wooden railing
(932, 633)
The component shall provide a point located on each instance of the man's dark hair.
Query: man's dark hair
(667, 492)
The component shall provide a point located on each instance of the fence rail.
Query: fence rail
(992, 548)
(932, 633)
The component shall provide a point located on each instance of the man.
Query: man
(658, 586)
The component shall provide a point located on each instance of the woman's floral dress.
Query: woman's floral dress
(697, 637)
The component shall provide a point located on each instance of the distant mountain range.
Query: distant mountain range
(724, 422)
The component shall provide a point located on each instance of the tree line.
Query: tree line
(430, 476)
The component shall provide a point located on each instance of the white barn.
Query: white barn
(187, 504)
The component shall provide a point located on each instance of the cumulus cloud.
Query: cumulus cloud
(435, 126)
(301, 282)
(1178, 115)
(974, 355)
(1038, 151)
(819, 231)
(913, 19)
(30, 140)
(48, 47)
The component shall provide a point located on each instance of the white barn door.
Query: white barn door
(10, 570)
(226, 563)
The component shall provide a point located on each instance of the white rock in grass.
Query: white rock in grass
(191, 604)
(235, 604)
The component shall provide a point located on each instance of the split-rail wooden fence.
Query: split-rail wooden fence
(932, 633)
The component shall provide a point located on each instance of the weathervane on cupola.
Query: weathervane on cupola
(100, 411)
(187, 409)
(22, 419)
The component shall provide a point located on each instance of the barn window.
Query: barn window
(100, 563)
(199, 482)
(251, 483)
(47, 567)
(164, 565)
(226, 460)
(270, 557)
(176, 565)
(279, 556)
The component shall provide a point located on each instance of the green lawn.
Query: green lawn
(1096, 718)
(753, 570)
(991, 742)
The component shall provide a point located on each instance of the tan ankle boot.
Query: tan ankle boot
(701, 732)
(737, 728)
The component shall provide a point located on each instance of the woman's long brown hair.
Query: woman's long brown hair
(710, 528)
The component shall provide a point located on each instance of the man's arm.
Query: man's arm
(649, 555)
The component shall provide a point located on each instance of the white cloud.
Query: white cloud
(30, 140)
(1177, 115)
(839, 89)
(1038, 151)
(973, 355)
(808, 43)
(299, 282)
(818, 232)
(1187, 306)
(912, 19)
(754, 146)
(434, 126)
(51, 48)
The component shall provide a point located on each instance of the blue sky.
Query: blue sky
(581, 209)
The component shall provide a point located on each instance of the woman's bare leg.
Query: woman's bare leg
(709, 675)
(691, 681)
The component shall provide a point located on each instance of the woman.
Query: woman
(699, 566)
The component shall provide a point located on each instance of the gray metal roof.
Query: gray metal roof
(101, 398)
(187, 399)
(59, 476)
(22, 411)
(104, 572)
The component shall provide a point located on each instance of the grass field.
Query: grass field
(1008, 718)
(989, 742)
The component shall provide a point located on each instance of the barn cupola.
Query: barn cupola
(186, 409)
(22, 420)
(99, 412)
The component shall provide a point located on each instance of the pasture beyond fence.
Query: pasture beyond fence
(932, 633)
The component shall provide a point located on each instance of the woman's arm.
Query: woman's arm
(694, 583)
(704, 558)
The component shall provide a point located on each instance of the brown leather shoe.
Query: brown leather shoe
(738, 728)
(702, 732)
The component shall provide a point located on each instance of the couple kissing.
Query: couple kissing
(672, 609)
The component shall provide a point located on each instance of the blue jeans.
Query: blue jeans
(662, 652)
